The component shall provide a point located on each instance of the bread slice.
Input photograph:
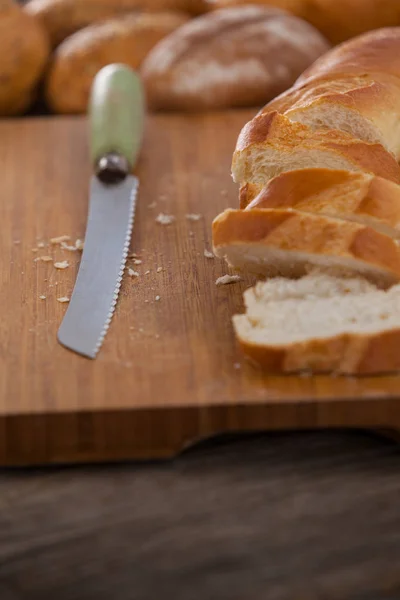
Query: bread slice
(271, 144)
(364, 106)
(321, 323)
(271, 242)
(357, 197)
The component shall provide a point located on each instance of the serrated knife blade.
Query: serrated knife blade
(116, 117)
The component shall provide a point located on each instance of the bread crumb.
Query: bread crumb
(136, 261)
(146, 301)
(191, 233)
(141, 329)
(158, 298)
(64, 264)
(41, 245)
(17, 241)
(132, 255)
(35, 250)
(42, 297)
(237, 365)
(163, 197)
(44, 258)
(157, 336)
(208, 254)
(63, 299)
(65, 246)
(133, 273)
(225, 279)
(193, 217)
(59, 239)
(152, 205)
(159, 269)
(79, 244)
(164, 219)
(147, 272)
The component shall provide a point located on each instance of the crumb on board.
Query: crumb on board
(152, 205)
(43, 258)
(159, 269)
(136, 261)
(79, 244)
(147, 273)
(162, 197)
(63, 299)
(64, 264)
(158, 298)
(133, 273)
(237, 365)
(17, 241)
(193, 217)
(225, 279)
(208, 254)
(146, 301)
(141, 329)
(42, 297)
(132, 255)
(191, 233)
(164, 219)
(68, 247)
(59, 239)
(35, 250)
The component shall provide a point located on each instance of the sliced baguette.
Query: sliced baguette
(271, 242)
(321, 324)
(364, 106)
(357, 197)
(271, 144)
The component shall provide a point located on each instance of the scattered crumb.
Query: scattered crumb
(158, 298)
(225, 279)
(164, 219)
(159, 269)
(163, 197)
(63, 299)
(65, 246)
(17, 241)
(136, 261)
(133, 273)
(64, 264)
(208, 254)
(146, 301)
(157, 336)
(224, 192)
(35, 250)
(237, 366)
(193, 217)
(152, 205)
(79, 244)
(45, 279)
(41, 245)
(59, 239)
(44, 258)
(191, 233)
(22, 272)
(141, 329)
(132, 255)
(42, 297)
(147, 272)
(131, 327)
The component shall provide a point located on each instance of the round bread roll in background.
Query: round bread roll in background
(24, 51)
(338, 20)
(76, 61)
(229, 58)
(61, 18)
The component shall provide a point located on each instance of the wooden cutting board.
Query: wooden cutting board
(169, 372)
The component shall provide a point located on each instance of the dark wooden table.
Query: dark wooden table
(301, 516)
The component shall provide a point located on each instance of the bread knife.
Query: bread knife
(116, 122)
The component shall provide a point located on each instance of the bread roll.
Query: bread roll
(338, 20)
(229, 58)
(62, 18)
(76, 61)
(24, 51)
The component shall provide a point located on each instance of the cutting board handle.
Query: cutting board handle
(116, 114)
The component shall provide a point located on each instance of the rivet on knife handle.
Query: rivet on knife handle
(116, 117)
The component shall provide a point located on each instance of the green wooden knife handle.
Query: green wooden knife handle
(116, 114)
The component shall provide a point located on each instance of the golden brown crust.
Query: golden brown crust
(62, 18)
(347, 354)
(278, 132)
(230, 58)
(24, 51)
(76, 61)
(292, 231)
(338, 20)
(340, 194)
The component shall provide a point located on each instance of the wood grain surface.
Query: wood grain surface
(311, 516)
(169, 372)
